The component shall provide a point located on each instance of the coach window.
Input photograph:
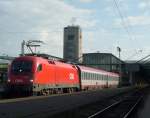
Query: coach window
(96, 76)
(87, 76)
(82, 75)
(93, 76)
(90, 76)
(39, 67)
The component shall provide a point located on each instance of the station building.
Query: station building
(106, 61)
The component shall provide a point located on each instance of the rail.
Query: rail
(127, 105)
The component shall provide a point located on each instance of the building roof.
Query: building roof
(106, 54)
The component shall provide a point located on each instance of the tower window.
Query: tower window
(71, 37)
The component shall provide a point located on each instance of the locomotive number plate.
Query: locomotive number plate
(18, 81)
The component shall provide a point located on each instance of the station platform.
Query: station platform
(43, 106)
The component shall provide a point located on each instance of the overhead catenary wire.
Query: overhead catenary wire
(135, 54)
(126, 24)
(146, 61)
(122, 19)
(143, 58)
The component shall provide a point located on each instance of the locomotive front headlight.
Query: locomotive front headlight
(8, 80)
(31, 80)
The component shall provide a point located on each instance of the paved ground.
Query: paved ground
(39, 107)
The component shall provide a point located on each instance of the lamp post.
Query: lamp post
(120, 78)
(119, 50)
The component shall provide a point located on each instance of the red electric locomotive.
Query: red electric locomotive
(42, 76)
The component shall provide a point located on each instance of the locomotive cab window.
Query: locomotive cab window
(39, 68)
(21, 67)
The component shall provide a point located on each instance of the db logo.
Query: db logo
(71, 76)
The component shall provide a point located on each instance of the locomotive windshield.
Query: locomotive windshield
(21, 66)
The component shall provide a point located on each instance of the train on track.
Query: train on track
(38, 76)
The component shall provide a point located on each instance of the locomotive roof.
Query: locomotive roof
(26, 57)
(94, 70)
(43, 60)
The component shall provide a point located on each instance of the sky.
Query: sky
(105, 24)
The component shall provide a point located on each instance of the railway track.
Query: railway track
(119, 109)
(120, 106)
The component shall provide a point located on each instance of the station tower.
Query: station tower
(72, 46)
